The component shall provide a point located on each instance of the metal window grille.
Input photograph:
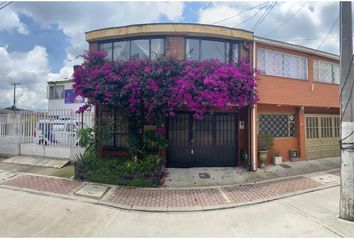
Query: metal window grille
(326, 127)
(281, 64)
(312, 127)
(279, 125)
(325, 72)
(336, 121)
(112, 121)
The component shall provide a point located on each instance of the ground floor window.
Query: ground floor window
(322, 127)
(279, 125)
(113, 122)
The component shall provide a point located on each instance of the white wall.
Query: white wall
(58, 104)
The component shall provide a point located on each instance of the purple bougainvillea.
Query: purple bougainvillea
(159, 87)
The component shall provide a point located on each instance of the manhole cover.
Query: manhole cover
(92, 190)
(285, 166)
(204, 175)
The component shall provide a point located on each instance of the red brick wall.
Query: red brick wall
(246, 51)
(175, 47)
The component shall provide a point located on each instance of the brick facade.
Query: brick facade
(276, 94)
(287, 95)
(175, 47)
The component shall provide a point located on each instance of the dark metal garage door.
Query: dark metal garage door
(210, 142)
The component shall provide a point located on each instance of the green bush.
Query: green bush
(144, 171)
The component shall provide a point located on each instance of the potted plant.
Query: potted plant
(265, 143)
(278, 159)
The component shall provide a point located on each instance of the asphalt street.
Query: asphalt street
(314, 214)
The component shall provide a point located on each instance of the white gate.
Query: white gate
(43, 133)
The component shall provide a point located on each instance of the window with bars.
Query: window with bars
(112, 121)
(312, 127)
(326, 127)
(281, 64)
(133, 48)
(279, 125)
(325, 72)
(322, 127)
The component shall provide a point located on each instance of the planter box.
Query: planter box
(278, 160)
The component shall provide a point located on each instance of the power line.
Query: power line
(287, 20)
(241, 13)
(259, 22)
(251, 16)
(4, 6)
(330, 31)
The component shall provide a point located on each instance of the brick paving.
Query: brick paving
(45, 184)
(258, 191)
(143, 197)
(174, 197)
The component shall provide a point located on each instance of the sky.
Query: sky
(41, 41)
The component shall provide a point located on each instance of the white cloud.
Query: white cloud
(75, 18)
(30, 69)
(312, 21)
(10, 21)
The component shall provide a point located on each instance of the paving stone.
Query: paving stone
(92, 190)
(44, 184)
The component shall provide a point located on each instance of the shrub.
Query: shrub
(265, 141)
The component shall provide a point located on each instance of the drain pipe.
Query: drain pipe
(253, 117)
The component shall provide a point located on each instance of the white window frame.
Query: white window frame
(284, 54)
(317, 78)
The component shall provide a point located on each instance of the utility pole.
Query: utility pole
(346, 207)
(14, 104)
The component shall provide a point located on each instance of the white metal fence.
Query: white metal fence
(37, 132)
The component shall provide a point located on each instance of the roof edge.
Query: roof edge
(167, 23)
(296, 47)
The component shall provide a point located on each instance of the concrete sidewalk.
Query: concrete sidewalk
(192, 177)
(171, 199)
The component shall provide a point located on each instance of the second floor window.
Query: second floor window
(326, 72)
(281, 64)
(127, 49)
(56, 92)
(202, 49)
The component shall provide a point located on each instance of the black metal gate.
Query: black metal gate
(210, 142)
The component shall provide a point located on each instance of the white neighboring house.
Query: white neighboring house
(61, 96)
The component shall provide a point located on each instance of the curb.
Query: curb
(103, 202)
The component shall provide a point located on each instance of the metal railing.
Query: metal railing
(43, 127)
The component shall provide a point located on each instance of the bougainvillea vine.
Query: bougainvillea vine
(159, 87)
